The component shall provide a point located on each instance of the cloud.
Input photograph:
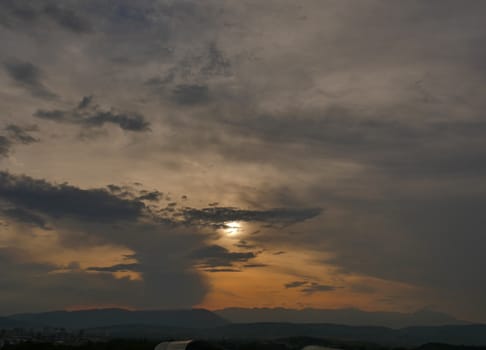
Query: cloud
(194, 67)
(91, 116)
(152, 196)
(190, 94)
(250, 266)
(34, 12)
(25, 216)
(5, 145)
(30, 77)
(115, 268)
(23, 280)
(317, 288)
(308, 288)
(215, 256)
(213, 270)
(85, 102)
(226, 214)
(131, 122)
(63, 200)
(244, 244)
(295, 284)
(21, 134)
(67, 18)
(15, 134)
(83, 219)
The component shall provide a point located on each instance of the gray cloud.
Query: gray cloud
(115, 268)
(25, 216)
(213, 270)
(93, 117)
(14, 135)
(28, 76)
(12, 8)
(150, 196)
(317, 288)
(190, 94)
(272, 216)
(308, 288)
(244, 244)
(131, 122)
(65, 200)
(215, 256)
(5, 145)
(200, 66)
(22, 281)
(67, 18)
(295, 284)
(85, 218)
(35, 12)
(85, 102)
(21, 134)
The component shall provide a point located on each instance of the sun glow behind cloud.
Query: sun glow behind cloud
(232, 228)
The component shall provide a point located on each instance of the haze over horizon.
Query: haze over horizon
(162, 154)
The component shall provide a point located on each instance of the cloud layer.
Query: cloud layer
(346, 141)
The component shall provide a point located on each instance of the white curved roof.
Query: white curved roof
(317, 347)
(173, 345)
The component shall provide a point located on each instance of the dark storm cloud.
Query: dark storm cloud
(216, 256)
(60, 200)
(25, 217)
(272, 216)
(94, 117)
(83, 218)
(28, 76)
(115, 268)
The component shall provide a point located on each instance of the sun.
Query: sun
(232, 228)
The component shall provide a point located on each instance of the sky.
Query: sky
(161, 154)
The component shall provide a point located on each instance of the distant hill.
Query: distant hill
(195, 318)
(353, 317)
(6, 323)
(204, 324)
(470, 335)
(440, 346)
